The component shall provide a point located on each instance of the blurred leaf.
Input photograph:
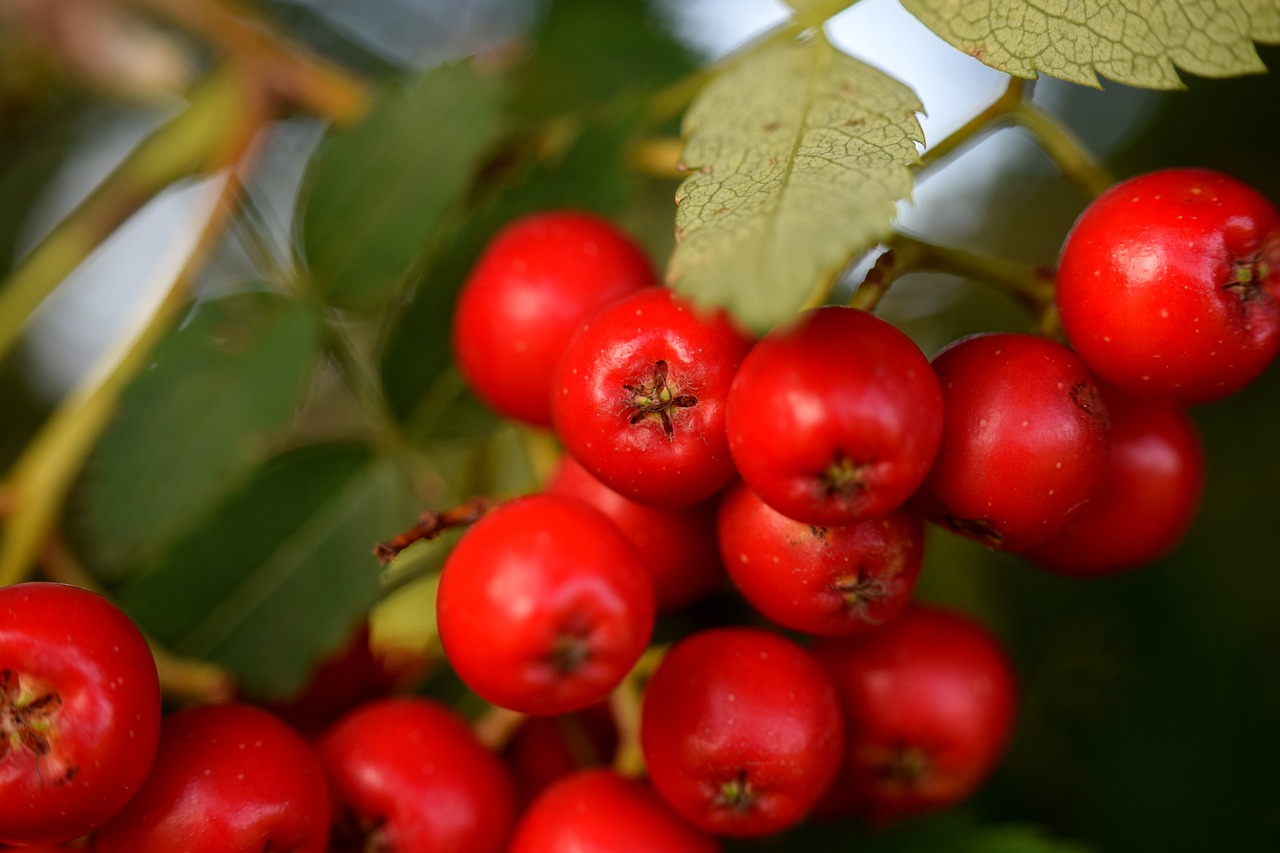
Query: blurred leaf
(282, 572)
(797, 157)
(220, 387)
(1135, 42)
(32, 148)
(377, 190)
(591, 176)
(948, 832)
(956, 834)
(587, 52)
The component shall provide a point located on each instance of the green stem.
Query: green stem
(204, 137)
(671, 101)
(984, 122)
(625, 702)
(1072, 158)
(1031, 286)
(42, 476)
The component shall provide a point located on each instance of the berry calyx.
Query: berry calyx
(834, 417)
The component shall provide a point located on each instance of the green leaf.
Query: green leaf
(587, 52)
(956, 834)
(220, 389)
(283, 571)
(952, 832)
(377, 190)
(1135, 42)
(798, 155)
(591, 175)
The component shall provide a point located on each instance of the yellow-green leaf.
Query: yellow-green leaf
(798, 155)
(1136, 42)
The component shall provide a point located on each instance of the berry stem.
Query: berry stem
(1072, 158)
(496, 726)
(1032, 286)
(626, 702)
(981, 124)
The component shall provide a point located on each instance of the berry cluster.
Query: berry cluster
(798, 469)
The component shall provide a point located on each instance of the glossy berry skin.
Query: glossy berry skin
(639, 394)
(741, 731)
(530, 290)
(834, 417)
(929, 703)
(543, 606)
(830, 581)
(677, 546)
(409, 775)
(1148, 497)
(1168, 285)
(602, 812)
(227, 778)
(79, 712)
(1025, 441)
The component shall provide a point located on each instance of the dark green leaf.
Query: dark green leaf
(282, 572)
(377, 190)
(944, 833)
(590, 176)
(220, 388)
(587, 52)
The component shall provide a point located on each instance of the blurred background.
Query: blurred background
(1152, 700)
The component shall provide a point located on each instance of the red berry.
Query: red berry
(929, 703)
(601, 812)
(834, 581)
(544, 606)
(835, 417)
(536, 282)
(409, 775)
(741, 731)
(1148, 497)
(1025, 440)
(544, 750)
(639, 397)
(227, 779)
(79, 712)
(1168, 285)
(677, 546)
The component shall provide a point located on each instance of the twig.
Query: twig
(431, 524)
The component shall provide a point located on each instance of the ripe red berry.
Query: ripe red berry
(79, 712)
(409, 775)
(639, 396)
(601, 812)
(929, 704)
(1168, 285)
(544, 750)
(677, 546)
(536, 282)
(741, 731)
(227, 779)
(1148, 497)
(1025, 440)
(543, 606)
(833, 581)
(834, 417)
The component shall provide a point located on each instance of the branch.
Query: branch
(431, 525)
